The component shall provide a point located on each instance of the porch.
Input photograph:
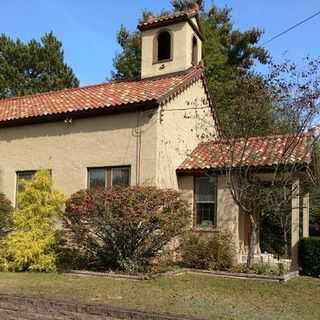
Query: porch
(204, 179)
(214, 209)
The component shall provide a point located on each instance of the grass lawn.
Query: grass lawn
(200, 296)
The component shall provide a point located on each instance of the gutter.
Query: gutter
(81, 114)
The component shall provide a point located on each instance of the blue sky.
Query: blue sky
(88, 28)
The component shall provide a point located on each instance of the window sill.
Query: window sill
(204, 229)
(162, 61)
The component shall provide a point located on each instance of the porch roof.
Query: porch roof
(266, 151)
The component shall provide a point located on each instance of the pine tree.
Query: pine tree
(31, 245)
(181, 5)
(127, 64)
(27, 68)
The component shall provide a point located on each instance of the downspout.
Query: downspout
(138, 135)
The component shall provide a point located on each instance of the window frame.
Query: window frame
(197, 226)
(194, 52)
(108, 175)
(32, 172)
(156, 46)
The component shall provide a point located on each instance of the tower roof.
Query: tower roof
(175, 17)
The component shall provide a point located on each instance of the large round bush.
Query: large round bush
(124, 228)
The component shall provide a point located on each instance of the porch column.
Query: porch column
(306, 217)
(295, 224)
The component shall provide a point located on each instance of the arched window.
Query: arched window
(164, 46)
(194, 51)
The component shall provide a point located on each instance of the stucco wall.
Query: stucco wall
(183, 120)
(168, 135)
(190, 34)
(182, 34)
(68, 149)
(227, 210)
(186, 186)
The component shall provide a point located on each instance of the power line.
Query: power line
(291, 28)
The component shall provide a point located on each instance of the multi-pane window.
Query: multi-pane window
(23, 176)
(120, 176)
(107, 177)
(205, 201)
(97, 178)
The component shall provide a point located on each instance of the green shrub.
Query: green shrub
(309, 256)
(6, 211)
(264, 269)
(260, 269)
(210, 251)
(124, 228)
(31, 245)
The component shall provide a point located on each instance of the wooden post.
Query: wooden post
(306, 217)
(295, 206)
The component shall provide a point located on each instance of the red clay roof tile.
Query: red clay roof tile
(154, 21)
(117, 94)
(256, 151)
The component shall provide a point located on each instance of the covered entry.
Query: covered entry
(207, 179)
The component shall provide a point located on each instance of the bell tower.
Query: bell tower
(170, 43)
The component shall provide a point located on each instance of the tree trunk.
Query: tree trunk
(286, 249)
(252, 240)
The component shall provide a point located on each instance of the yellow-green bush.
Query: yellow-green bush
(5, 216)
(6, 211)
(31, 246)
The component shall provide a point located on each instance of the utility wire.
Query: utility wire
(291, 28)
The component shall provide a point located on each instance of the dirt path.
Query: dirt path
(23, 308)
(30, 315)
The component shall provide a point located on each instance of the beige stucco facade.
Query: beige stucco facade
(185, 121)
(68, 149)
(182, 35)
(152, 142)
(227, 212)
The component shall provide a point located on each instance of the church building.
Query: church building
(161, 130)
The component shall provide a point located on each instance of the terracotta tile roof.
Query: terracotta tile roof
(153, 22)
(256, 151)
(112, 95)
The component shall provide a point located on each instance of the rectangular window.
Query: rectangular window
(108, 176)
(120, 176)
(205, 201)
(22, 176)
(96, 178)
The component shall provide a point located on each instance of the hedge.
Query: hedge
(309, 256)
